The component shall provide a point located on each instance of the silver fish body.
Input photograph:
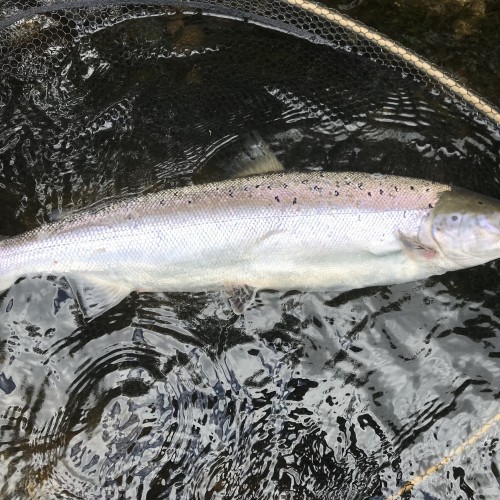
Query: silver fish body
(306, 231)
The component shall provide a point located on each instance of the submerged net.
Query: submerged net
(99, 98)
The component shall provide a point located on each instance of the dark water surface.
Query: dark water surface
(305, 396)
(460, 36)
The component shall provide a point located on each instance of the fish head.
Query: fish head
(466, 227)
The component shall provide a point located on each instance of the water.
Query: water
(459, 36)
(306, 395)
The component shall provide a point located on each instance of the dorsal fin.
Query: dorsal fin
(255, 158)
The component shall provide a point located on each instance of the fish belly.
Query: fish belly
(308, 252)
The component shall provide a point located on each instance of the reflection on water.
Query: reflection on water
(172, 395)
(312, 395)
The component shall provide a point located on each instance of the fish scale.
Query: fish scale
(288, 230)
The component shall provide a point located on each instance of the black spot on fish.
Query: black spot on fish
(277, 199)
(257, 186)
(231, 193)
(396, 188)
(369, 194)
(336, 193)
(294, 202)
(381, 191)
(269, 187)
(304, 181)
(162, 202)
(427, 190)
(431, 205)
(413, 188)
(189, 202)
(285, 185)
(480, 202)
(360, 185)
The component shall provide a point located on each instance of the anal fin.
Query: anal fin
(240, 297)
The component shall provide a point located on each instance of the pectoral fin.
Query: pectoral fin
(95, 295)
(416, 247)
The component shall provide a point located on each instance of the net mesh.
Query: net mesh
(308, 19)
(104, 98)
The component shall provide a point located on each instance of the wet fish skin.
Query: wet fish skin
(306, 231)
